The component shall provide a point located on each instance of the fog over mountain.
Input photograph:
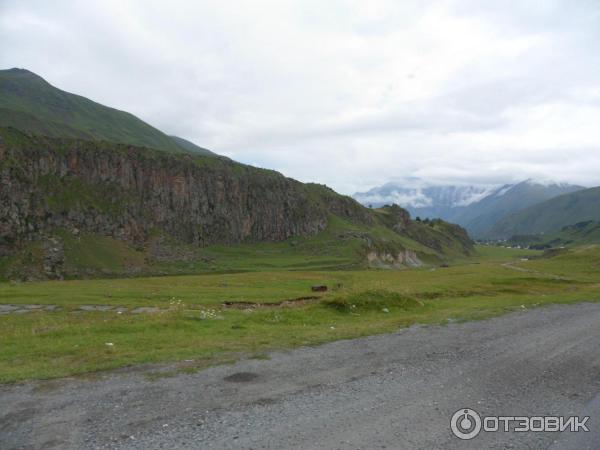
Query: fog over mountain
(477, 208)
(415, 193)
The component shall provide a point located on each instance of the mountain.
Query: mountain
(551, 215)
(63, 198)
(479, 218)
(91, 191)
(422, 200)
(30, 103)
(475, 208)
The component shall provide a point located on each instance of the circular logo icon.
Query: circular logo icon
(465, 424)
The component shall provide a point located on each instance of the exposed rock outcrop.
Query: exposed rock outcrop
(129, 193)
(406, 258)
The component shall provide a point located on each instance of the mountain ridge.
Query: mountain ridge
(59, 189)
(68, 185)
(551, 215)
(29, 103)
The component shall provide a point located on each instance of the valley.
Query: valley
(194, 321)
(124, 246)
(299, 225)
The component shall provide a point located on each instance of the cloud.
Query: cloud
(347, 93)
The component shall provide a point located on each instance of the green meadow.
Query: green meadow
(272, 309)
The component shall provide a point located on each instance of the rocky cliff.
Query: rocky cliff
(130, 192)
(106, 194)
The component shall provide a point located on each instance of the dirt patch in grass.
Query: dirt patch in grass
(299, 301)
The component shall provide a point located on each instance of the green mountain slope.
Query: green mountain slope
(479, 218)
(581, 233)
(29, 103)
(551, 215)
(191, 147)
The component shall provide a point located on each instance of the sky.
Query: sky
(352, 94)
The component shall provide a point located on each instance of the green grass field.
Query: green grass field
(195, 327)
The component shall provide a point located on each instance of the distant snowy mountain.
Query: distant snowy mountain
(425, 201)
(477, 208)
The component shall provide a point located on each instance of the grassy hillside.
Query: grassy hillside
(581, 233)
(29, 103)
(551, 215)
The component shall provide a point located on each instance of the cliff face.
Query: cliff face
(93, 200)
(130, 193)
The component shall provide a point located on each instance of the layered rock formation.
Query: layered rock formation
(129, 193)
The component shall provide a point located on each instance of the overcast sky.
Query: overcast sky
(348, 93)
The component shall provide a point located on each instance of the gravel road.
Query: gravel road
(390, 391)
